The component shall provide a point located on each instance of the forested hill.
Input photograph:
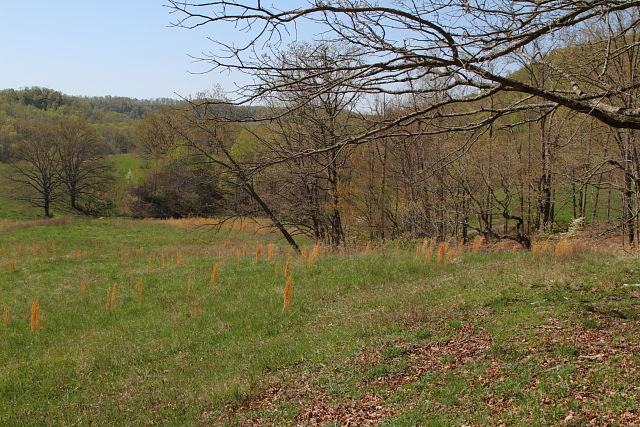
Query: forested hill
(111, 139)
(52, 100)
(113, 116)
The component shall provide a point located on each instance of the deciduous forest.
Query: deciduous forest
(489, 165)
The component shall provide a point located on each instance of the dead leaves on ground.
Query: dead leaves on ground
(589, 350)
(369, 409)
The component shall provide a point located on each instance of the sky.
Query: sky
(108, 47)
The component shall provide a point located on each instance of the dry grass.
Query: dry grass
(250, 225)
(425, 250)
(565, 247)
(34, 319)
(111, 298)
(287, 294)
(538, 247)
(124, 255)
(442, 251)
(286, 266)
(428, 254)
(214, 273)
(271, 250)
(5, 315)
(313, 255)
(419, 251)
(8, 226)
(476, 244)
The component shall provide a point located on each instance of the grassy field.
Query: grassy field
(10, 207)
(371, 337)
(128, 170)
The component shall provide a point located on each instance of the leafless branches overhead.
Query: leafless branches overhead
(442, 51)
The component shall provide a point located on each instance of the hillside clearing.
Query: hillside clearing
(487, 338)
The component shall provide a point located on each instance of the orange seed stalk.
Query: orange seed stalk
(287, 294)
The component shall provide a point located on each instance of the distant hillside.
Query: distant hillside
(130, 107)
(51, 100)
(11, 207)
(113, 116)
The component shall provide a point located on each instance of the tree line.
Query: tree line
(521, 124)
(436, 118)
(535, 172)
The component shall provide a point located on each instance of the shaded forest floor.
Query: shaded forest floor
(135, 332)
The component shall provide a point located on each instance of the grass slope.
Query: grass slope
(127, 170)
(371, 338)
(10, 207)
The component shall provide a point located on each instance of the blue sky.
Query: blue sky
(110, 47)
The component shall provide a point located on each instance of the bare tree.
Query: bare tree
(314, 124)
(469, 66)
(464, 49)
(81, 158)
(204, 130)
(38, 167)
(154, 139)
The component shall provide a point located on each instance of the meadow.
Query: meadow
(10, 207)
(141, 322)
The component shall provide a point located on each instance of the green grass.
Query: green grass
(128, 170)
(490, 338)
(10, 207)
(563, 209)
(564, 206)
